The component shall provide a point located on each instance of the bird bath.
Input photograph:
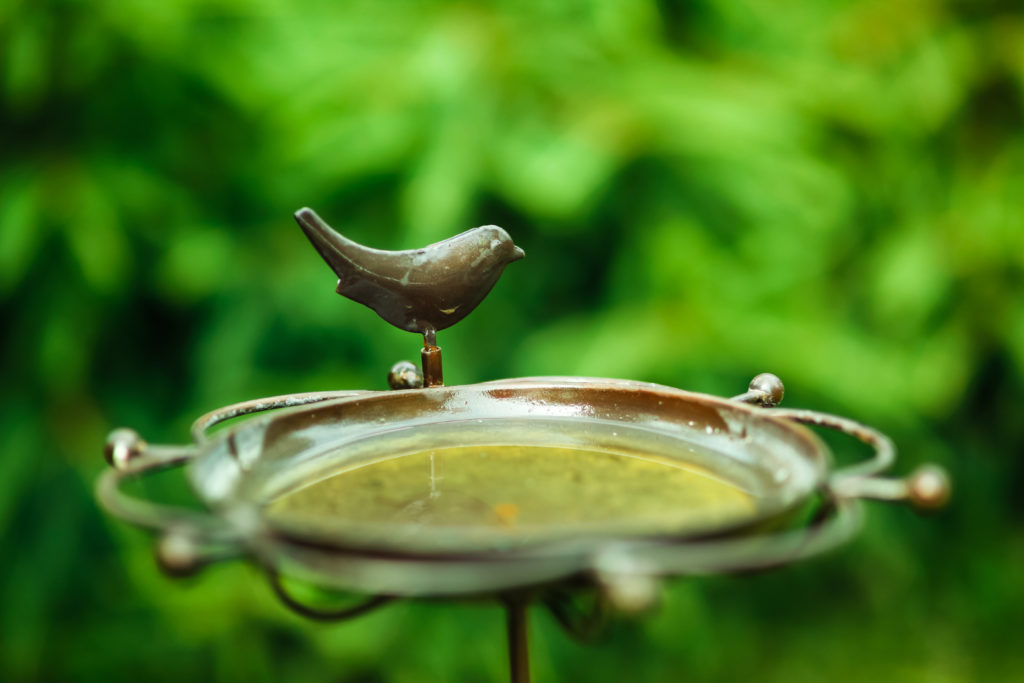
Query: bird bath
(516, 489)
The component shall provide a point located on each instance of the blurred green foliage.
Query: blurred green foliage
(833, 191)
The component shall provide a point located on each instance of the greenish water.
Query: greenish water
(510, 495)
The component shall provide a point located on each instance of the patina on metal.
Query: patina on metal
(287, 443)
(420, 290)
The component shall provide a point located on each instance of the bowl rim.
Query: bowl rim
(248, 513)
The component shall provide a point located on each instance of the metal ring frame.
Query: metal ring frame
(192, 539)
(839, 522)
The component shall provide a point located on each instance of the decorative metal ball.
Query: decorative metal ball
(629, 586)
(928, 487)
(123, 445)
(177, 552)
(771, 388)
(405, 375)
(632, 594)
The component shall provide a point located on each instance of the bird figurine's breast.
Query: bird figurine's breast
(419, 290)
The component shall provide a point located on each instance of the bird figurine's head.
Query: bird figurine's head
(501, 243)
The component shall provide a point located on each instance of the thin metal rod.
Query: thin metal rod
(518, 653)
(325, 615)
(885, 451)
(432, 373)
(205, 422)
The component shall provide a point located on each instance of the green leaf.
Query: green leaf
(21, 228)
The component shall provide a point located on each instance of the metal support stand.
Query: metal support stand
(518, 652)
(319, 614)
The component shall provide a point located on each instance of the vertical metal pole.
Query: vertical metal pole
(431, 357)
(518, 654)
(432, 374)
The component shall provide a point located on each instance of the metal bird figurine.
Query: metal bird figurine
(419, 290)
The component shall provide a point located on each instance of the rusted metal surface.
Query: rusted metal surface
(433, 375)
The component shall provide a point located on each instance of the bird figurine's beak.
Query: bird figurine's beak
(517, 254)
(325, 239)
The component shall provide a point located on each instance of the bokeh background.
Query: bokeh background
(829, 190)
